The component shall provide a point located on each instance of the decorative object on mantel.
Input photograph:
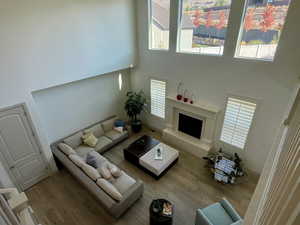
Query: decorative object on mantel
(134, 106)
(185, 95)
(192, 99)
(225, 167)
(179, 91)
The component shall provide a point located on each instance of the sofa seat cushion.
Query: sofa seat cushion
(103, 143)
(75, 140)
(98, 157)
(97, 130)
(108, 124)
(123, 182)
(115, 135)
(83, 150)
(110, 189)
(217, 214)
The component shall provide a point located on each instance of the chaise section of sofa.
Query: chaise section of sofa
(131, 189)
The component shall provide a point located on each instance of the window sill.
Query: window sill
(158, 50)
(254, 59)
(200, 54)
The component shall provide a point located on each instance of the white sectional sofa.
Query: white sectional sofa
(116, 191)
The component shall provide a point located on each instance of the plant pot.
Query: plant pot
(136, 126)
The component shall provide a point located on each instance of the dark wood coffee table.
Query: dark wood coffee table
(140, 154)
(138, 148)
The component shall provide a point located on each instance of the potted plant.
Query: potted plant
(134, 106)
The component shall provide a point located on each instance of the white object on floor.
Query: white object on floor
(169, 155)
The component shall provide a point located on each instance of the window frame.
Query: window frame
(178, 39)
(240, 34)
(150, 29)
(253, 123)
(166, 91)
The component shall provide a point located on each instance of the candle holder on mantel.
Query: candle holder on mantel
(179, 91)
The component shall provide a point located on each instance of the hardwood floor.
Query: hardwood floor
(61, 200)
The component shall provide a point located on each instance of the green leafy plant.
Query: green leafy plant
(135, 104)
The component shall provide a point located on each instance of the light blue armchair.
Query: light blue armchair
(221, 213)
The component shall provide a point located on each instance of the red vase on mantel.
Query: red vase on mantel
(192, 99)
(179, 97)
(179, 92)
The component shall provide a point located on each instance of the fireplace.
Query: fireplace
(190, 125)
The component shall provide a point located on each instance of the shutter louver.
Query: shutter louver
(237, 122)
(158, 98)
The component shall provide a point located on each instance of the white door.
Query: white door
(19, 150)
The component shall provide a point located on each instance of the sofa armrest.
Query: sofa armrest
(230, 210)
(201, 218)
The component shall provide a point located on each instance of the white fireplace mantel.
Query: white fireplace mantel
(206, 112)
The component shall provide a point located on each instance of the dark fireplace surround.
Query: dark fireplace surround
(190, 125)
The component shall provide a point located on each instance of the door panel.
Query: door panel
(19, 149)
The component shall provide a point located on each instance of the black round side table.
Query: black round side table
(158, 216)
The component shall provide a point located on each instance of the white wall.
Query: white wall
(45, 43)
(212, 78)
(67, 108)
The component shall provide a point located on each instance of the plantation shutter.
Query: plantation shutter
(158, 98)
(237, 122)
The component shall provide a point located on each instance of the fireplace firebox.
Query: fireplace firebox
(190, 125)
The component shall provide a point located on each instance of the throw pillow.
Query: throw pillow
(114, 170)
(91, 160)
(119, 123)
(66, 149)
(119, 129)
(109, 189)
(90, 140)
(104, 171)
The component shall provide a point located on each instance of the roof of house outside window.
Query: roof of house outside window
(162, 20)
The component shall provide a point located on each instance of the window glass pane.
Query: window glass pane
(203, 26)
(262, 25)
(159, 24)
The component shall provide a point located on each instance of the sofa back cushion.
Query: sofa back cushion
(109, 189)
(91, 172)
(66, 149)
(97, 130)
(108, 125)
(75, 140)
(77, 160)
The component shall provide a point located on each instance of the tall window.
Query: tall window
(262, 25)
(159, 22)
(237, 122)
(203, 26)
(158, 98)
